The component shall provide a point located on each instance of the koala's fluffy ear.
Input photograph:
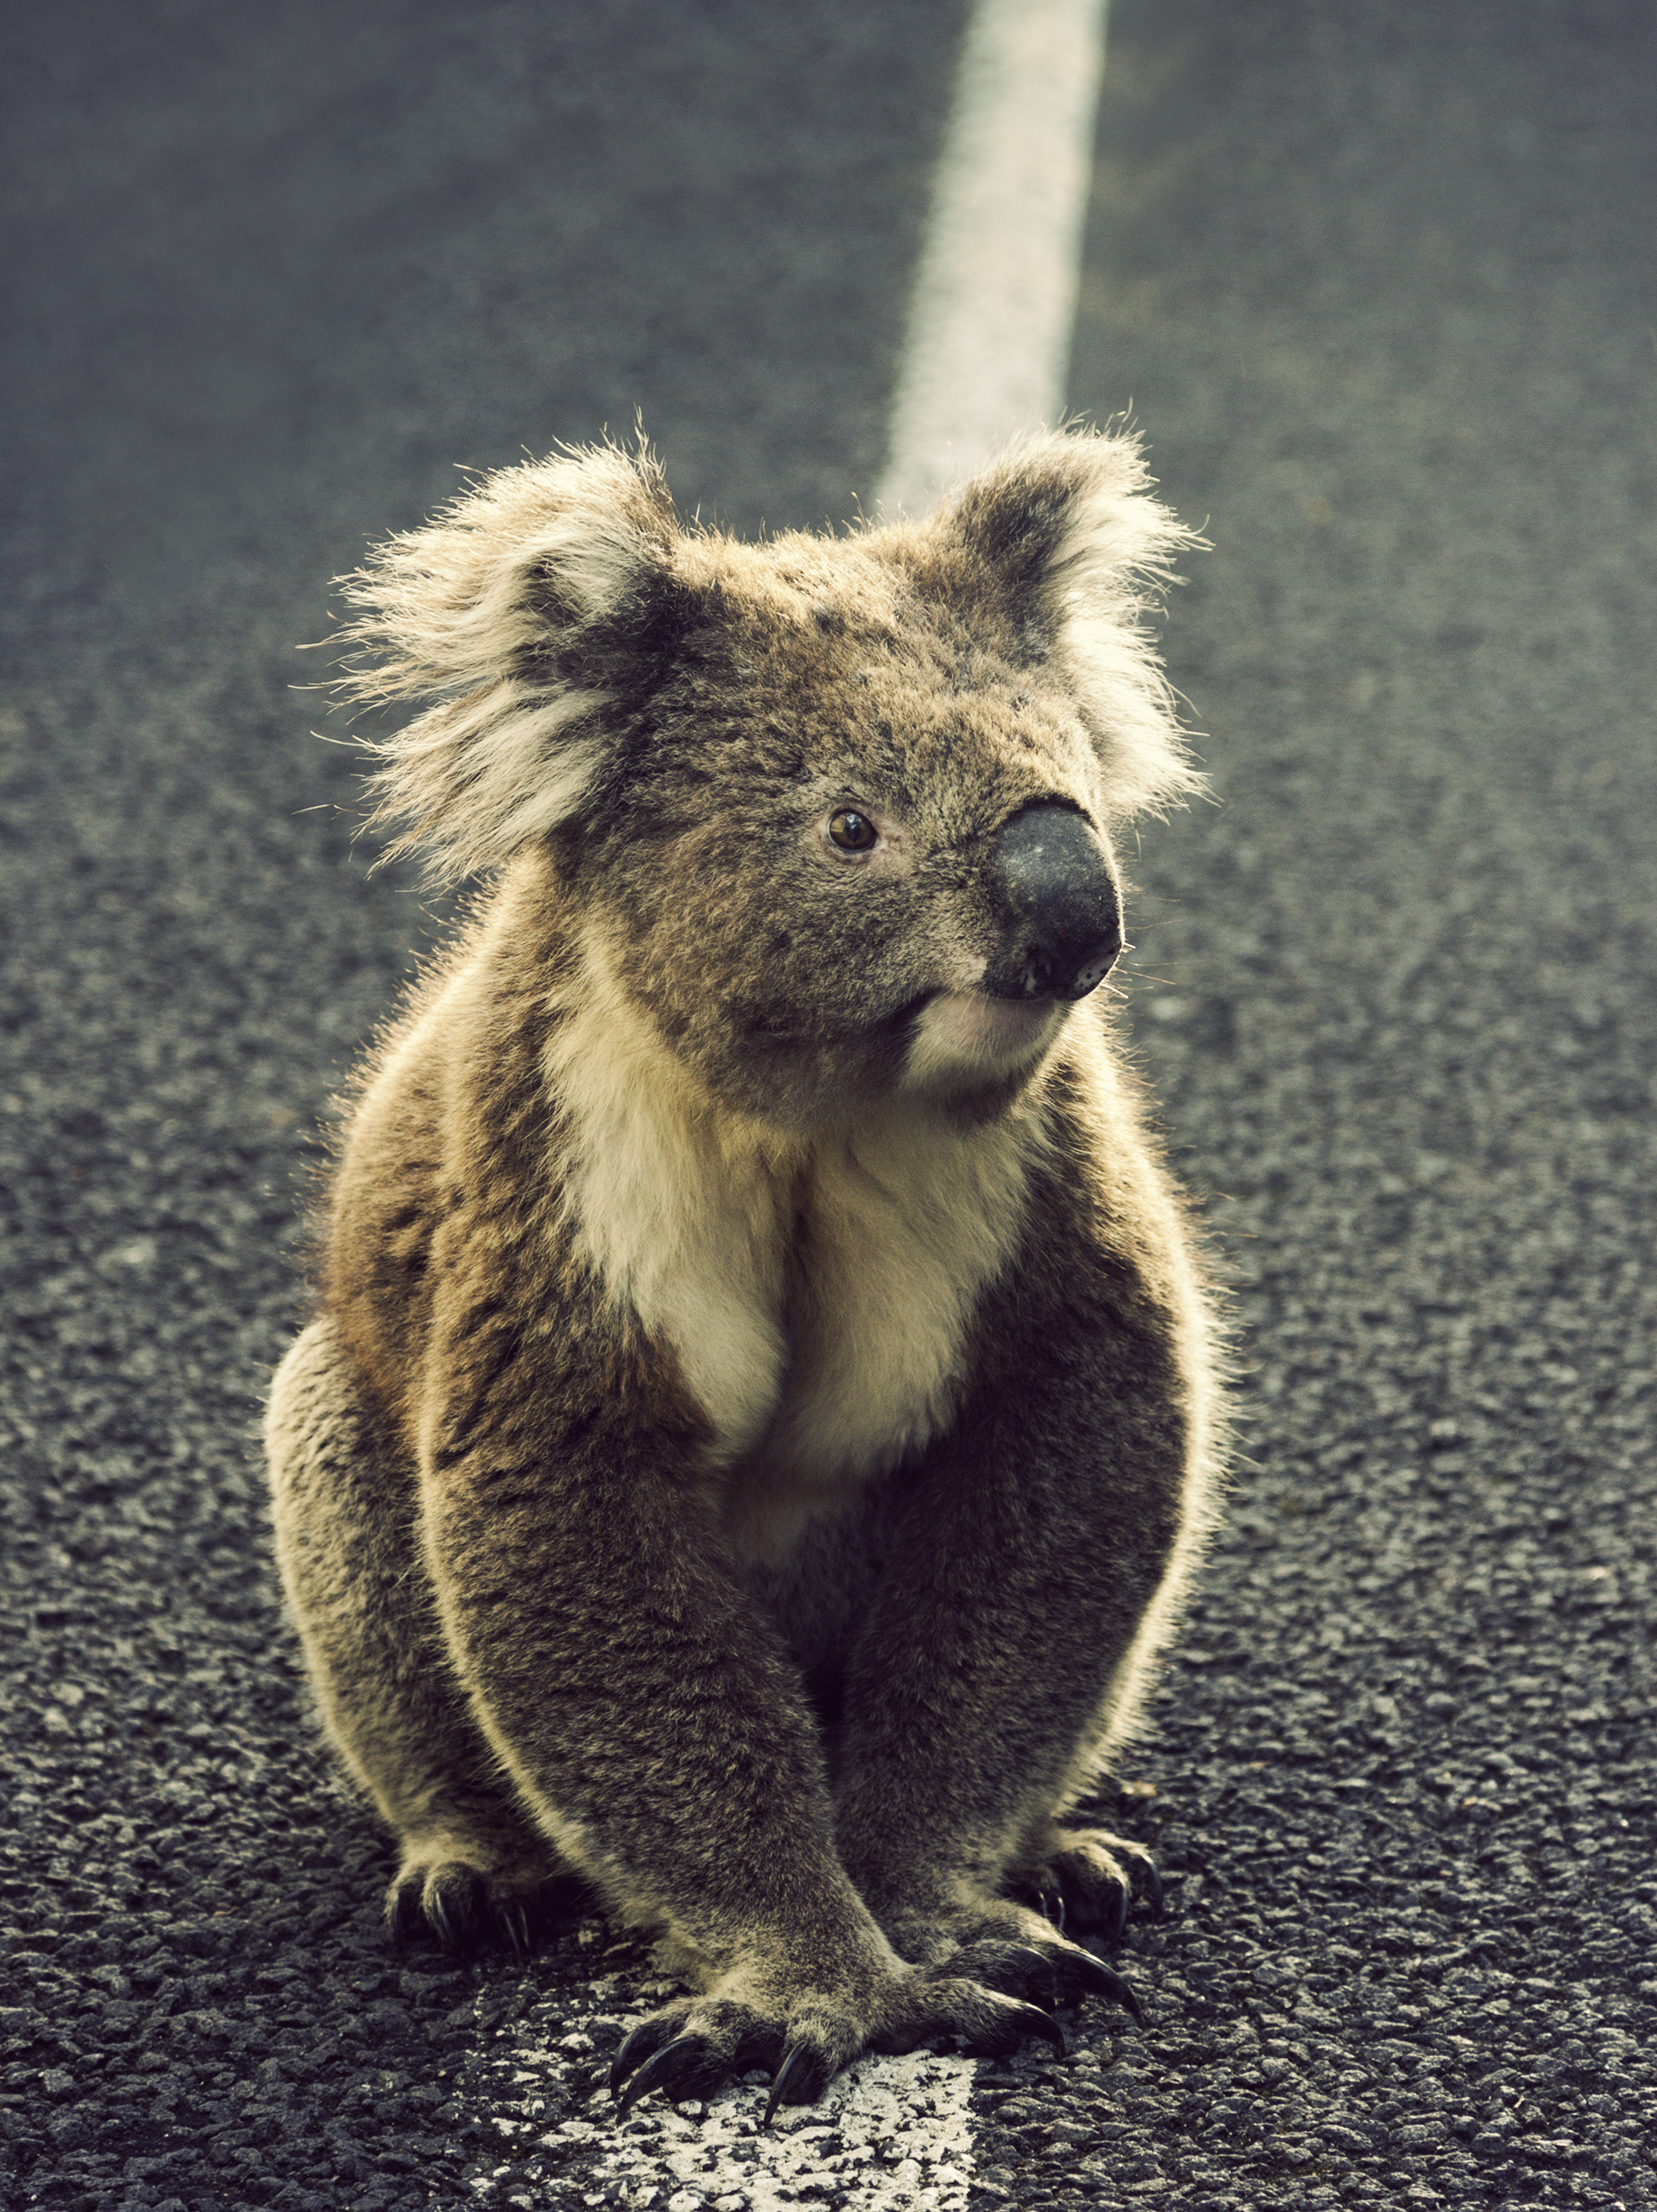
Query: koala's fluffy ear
(1075, 554)
(521, 606)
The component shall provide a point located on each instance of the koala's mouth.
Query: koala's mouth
(973, 1036)
(942, 1041)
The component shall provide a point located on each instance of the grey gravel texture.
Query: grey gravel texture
(1378, 284)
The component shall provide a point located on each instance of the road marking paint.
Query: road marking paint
(891, 2133)
(993, 311)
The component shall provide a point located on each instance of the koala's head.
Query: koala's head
(840, 810)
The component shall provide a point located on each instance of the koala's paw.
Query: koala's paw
(1086, 1879)
(441, 1890)
(694, 2046)
(1008, 1948)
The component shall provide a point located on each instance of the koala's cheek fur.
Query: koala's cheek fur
(761, 1418)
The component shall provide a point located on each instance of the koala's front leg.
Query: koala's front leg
(1040, 1549)
(647, 1713)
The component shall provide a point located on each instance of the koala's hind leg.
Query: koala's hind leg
(348, 1550)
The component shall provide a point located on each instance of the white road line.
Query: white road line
(994, 306)
(892, 2134)
(986, 355)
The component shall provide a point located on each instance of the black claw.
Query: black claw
(637, 2045)
(1052, 1905)
(1153, 1884)
(1104, 1982)
(1124, 1897)
(401, 1919)
(515, 1927)
(1027, 1955)
(447, 1934)
(660, 2071)
(783, 2080)
(1033, 2020)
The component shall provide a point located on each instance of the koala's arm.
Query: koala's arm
(647, 1717)
(1041, 1551)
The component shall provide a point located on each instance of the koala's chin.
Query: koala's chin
(966, 1042)
(761, 1411)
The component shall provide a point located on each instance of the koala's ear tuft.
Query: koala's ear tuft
(527, 606)
(1062, 537)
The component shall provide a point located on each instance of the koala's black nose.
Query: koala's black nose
(1055, 883)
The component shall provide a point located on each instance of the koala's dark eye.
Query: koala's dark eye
(851, 831)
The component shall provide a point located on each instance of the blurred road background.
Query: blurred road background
(1377, 285)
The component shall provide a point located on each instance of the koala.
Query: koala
(761, 1410)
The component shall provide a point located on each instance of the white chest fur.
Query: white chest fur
(817, 1293)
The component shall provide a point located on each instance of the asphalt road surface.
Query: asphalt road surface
(1377, 283)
